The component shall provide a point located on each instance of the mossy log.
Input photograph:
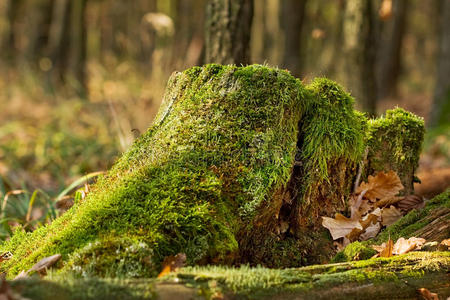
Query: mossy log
(238, 167)
(383, 278)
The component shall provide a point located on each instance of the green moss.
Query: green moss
(330, 131)
(75, 288)
(354, 251)
(226, 146)
(222, 144)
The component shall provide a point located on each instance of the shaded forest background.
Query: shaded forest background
(79, 79)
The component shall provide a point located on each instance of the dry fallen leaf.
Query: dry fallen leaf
(427, 295)
(5, 256)
(381, 186)
(21, 275)
(390, 215)
(388, 201)
(370, 232)
(403, 246)
(410, 202)
(387, 251)
(45, 263)
(171, 263)
(444, 245)
(340, 226)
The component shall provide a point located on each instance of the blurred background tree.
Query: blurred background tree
(77, 77)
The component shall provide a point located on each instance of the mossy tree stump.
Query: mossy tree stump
(238, 166)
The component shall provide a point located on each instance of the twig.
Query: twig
(360, 169)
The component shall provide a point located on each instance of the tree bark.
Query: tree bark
(228, 27)
(292, 18)
(440, 111)
(359, 53)
(390, 50)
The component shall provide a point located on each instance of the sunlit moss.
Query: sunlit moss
(394, 143)
(222, 144)
(220, 152)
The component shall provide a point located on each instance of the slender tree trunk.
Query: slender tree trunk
(440, 111)
(77, 51)
(335, 62)
(37, 19)
(390, 50)
(57, 31)
(12, 8)
(4, 27)
(359, 53)
(293, 15)
(228, 26)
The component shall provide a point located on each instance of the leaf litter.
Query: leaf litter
(374, 204)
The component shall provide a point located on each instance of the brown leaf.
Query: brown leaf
(390, 215)
(21, 275)
(5, 256)
(379, 248)
(171, 263)
(383, 185)
(410, 202)
(446, 242)
(365, 207)
(370, 232)
(44, 264)
(427, 295)
(340, 226)
(387, 251)
(388, 201)
(403, 246)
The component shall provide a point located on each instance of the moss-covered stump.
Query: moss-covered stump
(382, 278)
(395, 142)
(238, 167)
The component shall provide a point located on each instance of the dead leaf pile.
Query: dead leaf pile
(402, 246)
(373, 205)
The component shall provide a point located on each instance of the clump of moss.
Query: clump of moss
(354, 251)
(394, 143)
(222, 144)
(233, 154)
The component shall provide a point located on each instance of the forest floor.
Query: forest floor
(49, 139)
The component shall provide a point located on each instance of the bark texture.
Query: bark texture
(390, 50)
(292, 18)
(440, 112)
(228, 27)
(359, 52)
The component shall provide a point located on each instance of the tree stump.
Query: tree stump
(238, 167)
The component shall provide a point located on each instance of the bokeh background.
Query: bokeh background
(79, 78)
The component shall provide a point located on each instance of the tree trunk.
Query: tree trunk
(238, 167)
(228, 27)
(77, 50)
(56, 49)
(9, 39)
(292, 17)
(37, 20)
(359, 53)
(440, 110)
(390, 50)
